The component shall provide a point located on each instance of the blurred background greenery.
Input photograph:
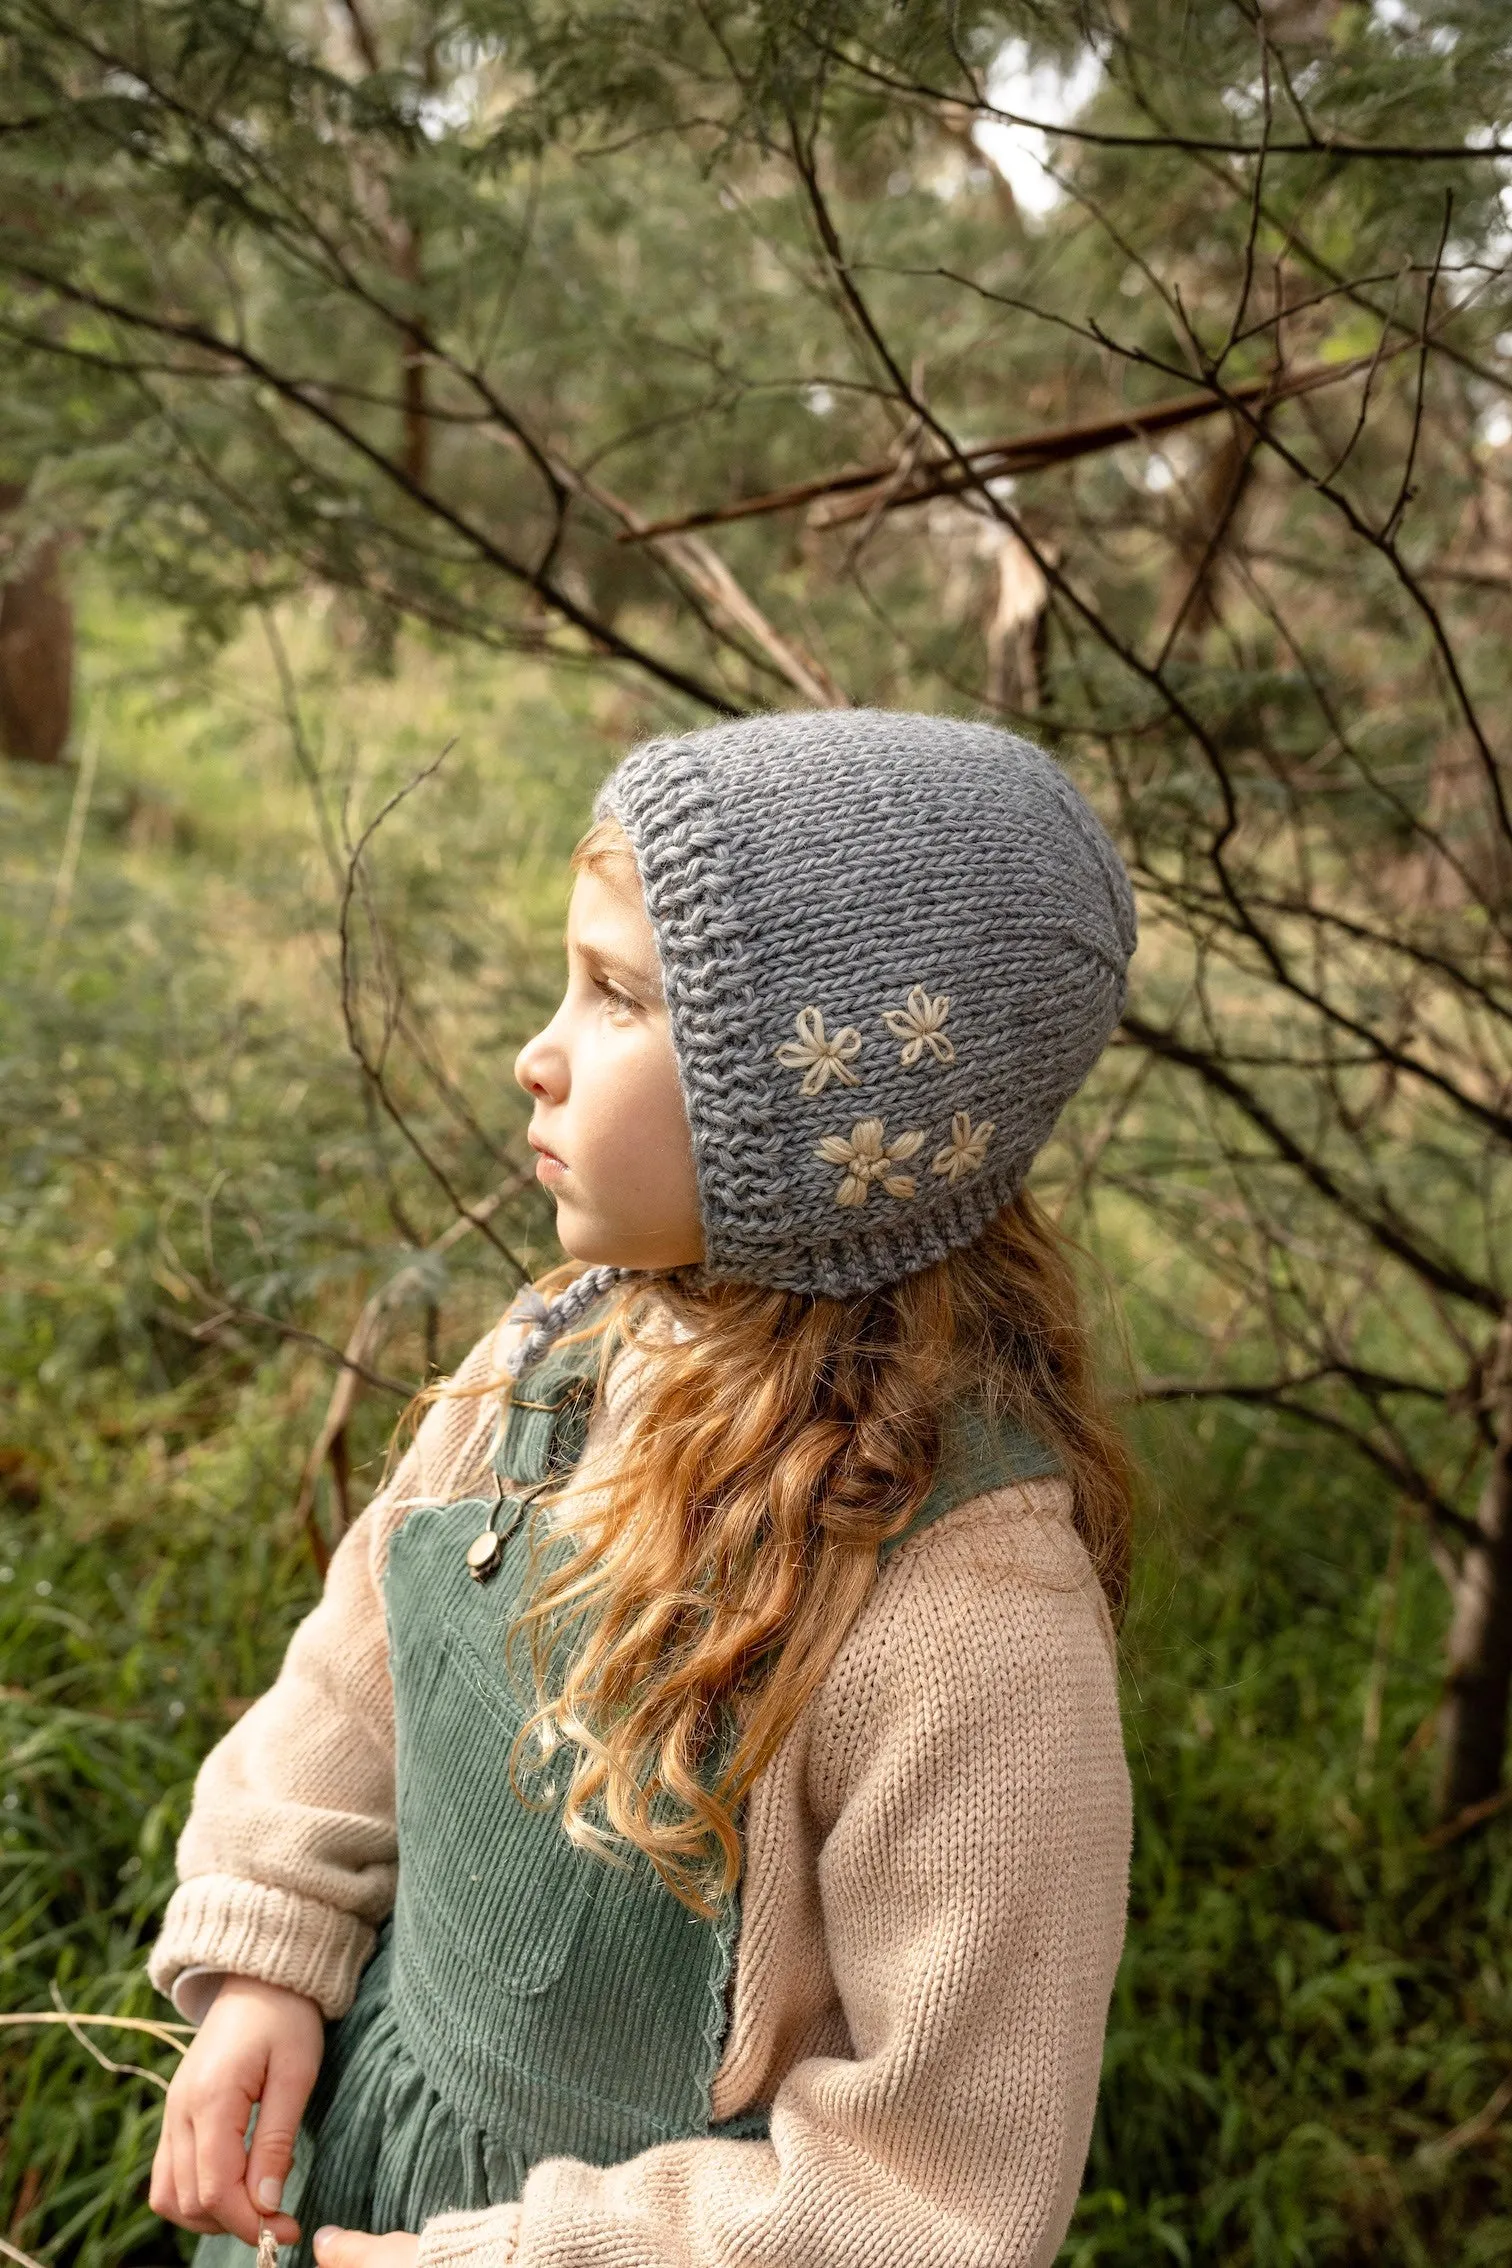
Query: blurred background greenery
(342, 346)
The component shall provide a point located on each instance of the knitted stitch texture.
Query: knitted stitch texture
(893, 946)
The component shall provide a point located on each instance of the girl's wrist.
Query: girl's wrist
(194, 1990)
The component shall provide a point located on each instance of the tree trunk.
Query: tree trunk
(1473, 1727)
(36, 654)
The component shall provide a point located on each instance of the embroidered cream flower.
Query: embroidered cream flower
(965, 1151)
(868, 1156)
(819, 1057)
(920, 1024)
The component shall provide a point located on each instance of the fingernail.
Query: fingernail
(320, 2239)
(269, 2191)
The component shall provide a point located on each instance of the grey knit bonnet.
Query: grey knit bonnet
(893, 946)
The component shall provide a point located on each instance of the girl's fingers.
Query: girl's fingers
(286, 2090)
(189, 2215)
(162, 2189)
(342, 2248)
(351, 2248)
(174, 2194)
(220, 2166)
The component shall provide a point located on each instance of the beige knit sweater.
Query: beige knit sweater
(932, 1907)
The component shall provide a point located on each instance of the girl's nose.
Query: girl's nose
(541, 1068)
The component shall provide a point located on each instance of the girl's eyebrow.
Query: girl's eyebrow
(600, 963)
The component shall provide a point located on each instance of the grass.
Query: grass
(1313, 1996)
(1313, 1999)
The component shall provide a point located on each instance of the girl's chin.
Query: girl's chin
(600, 1244)
(584, 1238)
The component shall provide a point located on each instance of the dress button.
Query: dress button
(483, 1555)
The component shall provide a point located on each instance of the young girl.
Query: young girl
(692, 1829)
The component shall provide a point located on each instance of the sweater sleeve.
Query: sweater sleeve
(287, 1861)
(967, 1780)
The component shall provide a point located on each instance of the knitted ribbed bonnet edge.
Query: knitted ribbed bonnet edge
(712, 984)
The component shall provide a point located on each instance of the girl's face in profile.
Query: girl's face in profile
(609, 1123)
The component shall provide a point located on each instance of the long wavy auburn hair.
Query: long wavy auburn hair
(685, 1601)
(771, 1444)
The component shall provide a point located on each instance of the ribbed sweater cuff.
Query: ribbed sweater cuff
(489, 2239)
(247, 1929)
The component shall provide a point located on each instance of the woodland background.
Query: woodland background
(406, 403)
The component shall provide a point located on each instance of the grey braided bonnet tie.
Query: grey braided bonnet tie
(552, 1319)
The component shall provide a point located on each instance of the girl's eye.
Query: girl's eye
(620, 1002)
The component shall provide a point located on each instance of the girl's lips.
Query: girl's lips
(549, 1166)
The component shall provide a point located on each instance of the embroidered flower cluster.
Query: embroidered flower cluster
(866, 1154)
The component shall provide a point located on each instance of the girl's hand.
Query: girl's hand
(258, 2044)
(349, 2248)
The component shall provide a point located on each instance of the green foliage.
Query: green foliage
(1313, 1994)
(591, 240)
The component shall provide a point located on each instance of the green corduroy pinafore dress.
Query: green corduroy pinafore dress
(525, 2000)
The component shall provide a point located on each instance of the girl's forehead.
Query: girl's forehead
(607, 916)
